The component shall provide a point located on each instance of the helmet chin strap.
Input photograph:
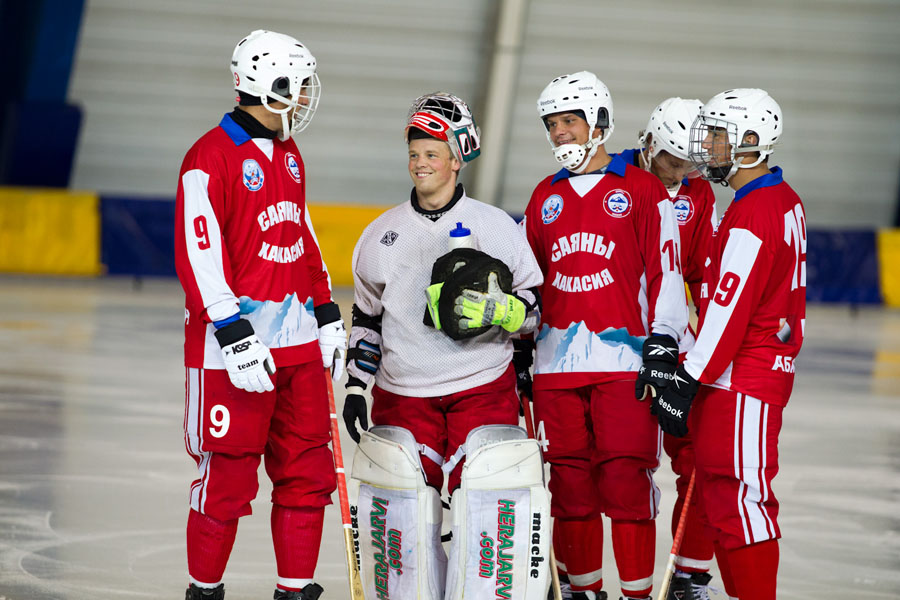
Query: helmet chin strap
(575, 157)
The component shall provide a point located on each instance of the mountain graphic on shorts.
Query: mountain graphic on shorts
(281, 324)
(577, 349)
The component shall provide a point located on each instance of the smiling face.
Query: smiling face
(566, 128)
(432, 168)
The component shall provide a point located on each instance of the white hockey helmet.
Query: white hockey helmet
(669, 127)
(271, 65)
(447, 118)
(583, 93)
(737, 112)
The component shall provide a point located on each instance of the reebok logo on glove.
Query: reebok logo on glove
(678, 414)
(658, 350)
(241, 347)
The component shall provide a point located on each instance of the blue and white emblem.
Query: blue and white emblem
(551, 209)
(684, 209)
(617, 203)
(293, 167)
(253, 175)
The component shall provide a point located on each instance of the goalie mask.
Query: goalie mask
(447, 118)
(718, 133)
(273, 66)
(458, 270)
(578, 93)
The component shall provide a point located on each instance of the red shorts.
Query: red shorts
(442, 423)
(736, 446)
(603, 447)
(227, 430)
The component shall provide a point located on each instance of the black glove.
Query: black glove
(674, 403)
(660, 356)
(355, 408)
(523, 358)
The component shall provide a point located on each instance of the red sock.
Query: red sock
(297, 534)
(209, 543)
(725, 570)
(581, 543)
(755, 570)
(559, 550)
(634, 544)
(696, 551)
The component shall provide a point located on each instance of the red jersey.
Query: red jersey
(695, 211)
(608, 246)
(752, 326)
(244, 244)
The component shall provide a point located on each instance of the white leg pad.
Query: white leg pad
(500, 519)
(398, 519)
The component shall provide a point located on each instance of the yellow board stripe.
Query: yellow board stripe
(46, 231)
(888, 243)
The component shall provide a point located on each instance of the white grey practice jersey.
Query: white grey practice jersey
(392, 268)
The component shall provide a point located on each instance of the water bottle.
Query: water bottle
(460, 237)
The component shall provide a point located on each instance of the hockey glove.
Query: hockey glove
(332, 338)
(674, 403)
(247, 360)
(355, 408)
(483, 309)
(433, 292)
(660, 357)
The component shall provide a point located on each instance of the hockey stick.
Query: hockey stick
(356, 588)
(529, 427)
(676, 542)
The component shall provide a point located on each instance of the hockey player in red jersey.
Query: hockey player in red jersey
(735, 382)
(605, 235)
(664, 153)
(259, 323)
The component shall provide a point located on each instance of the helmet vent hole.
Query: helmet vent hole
(680, 124)
(255, 58)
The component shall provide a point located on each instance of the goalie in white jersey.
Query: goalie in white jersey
(439, 350)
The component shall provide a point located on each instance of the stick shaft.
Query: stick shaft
(356, 589)
(676, 541)
(529, 427)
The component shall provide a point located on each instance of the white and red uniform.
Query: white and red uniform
(244, 244)
(695, 210)
(752, 318)
(437, 387)
(608, 246)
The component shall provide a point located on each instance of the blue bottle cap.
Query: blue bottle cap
(460, 231)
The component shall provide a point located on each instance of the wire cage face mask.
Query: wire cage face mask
(712, 148)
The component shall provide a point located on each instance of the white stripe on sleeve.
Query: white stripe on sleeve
(205, 251)
(671, 313)
(737, 259)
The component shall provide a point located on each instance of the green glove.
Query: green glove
(434, 296)
(480, 309)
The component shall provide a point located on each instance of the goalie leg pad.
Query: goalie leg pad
(500, 519)
(398, 518)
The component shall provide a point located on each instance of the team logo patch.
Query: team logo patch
(389, 238)
(617, 203)
(253, 175)
(551, 209)
(684, 209)
(293, 167)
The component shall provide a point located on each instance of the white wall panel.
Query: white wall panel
(152, 77)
